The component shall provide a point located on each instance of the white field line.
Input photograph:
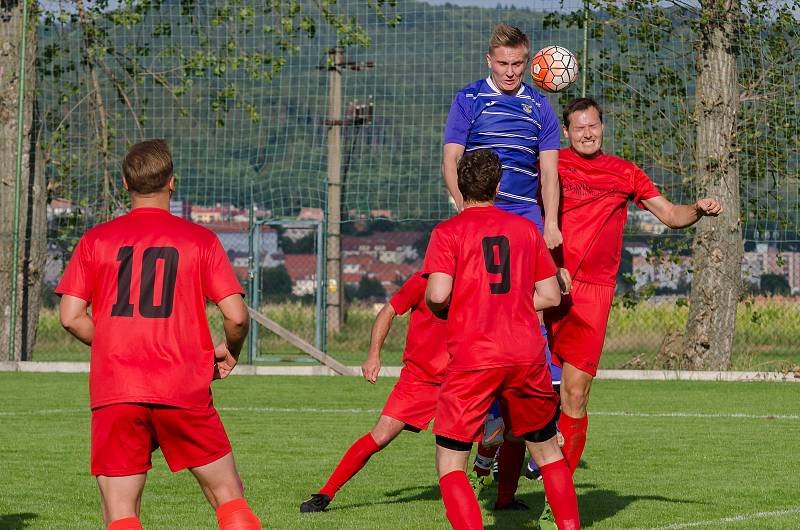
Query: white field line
(728, 520)
(315, 410)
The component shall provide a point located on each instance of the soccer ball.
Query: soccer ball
(554, 68)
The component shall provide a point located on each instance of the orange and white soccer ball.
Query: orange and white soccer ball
(554, 68)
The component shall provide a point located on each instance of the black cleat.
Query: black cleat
(317, 503)
(514, 506)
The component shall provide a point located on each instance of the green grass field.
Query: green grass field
(664, 455)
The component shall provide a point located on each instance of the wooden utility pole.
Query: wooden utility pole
(335, 297)
(335, 304)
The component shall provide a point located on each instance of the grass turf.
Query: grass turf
(686, 453)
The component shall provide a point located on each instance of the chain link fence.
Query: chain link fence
(241, 93)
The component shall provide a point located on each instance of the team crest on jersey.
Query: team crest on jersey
(527, 108)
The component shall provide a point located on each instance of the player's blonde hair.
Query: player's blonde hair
(508, 37)
(148, 166)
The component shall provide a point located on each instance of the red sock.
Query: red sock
(574, 431)
(129, 523)
(353, 460)
(237, 515)
(560, 492)
(509, 467)
(484, 459)
(460, 503)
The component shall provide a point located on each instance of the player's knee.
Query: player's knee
(574, 397)
(543, 434)
(453, 445)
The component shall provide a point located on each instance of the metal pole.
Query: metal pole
(257, 282)
(585, 47)
(319, 332)
(334, 206)
(12, 335)
(251, 288)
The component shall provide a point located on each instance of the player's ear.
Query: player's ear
(566, 133)
(172, 184)
(124, 183)
(488, 60)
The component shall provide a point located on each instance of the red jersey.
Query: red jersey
(495, 258)
(147, 275)
(426, 340)
(593, 210)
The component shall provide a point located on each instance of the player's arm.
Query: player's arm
(380, 329)
(235, 323)
(681, 215)
(546, 294)
(450, 157)
(74, 315)
(437, 293)
(551, 193)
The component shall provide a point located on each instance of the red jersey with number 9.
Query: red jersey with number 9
(495, 259)
(147, 275)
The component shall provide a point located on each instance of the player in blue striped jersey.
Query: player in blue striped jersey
(508, 116)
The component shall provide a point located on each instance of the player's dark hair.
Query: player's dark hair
(478, 175)
(579, 104)
(509, 37)
(148, 166)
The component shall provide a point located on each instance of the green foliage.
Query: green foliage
(772, 284)
(276, 284)
(369, 289)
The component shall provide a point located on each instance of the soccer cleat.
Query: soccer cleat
(317, 503)
(546, 520)
(514, 506)
(493, 431)
(479, 482)
(532, 471)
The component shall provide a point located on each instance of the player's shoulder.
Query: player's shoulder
(536, 97)
(473, 89)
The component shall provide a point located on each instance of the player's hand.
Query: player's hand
(224, 361)
(552, 236)
(564, 280)
(710, 207)
(370, 369)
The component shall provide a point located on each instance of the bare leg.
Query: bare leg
(121, 497)
(219, 480)
(386, 430)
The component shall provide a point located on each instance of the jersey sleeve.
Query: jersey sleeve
(643, 187)
(459, 120)
(441, 254)
(550, 136)
(409, 295)
(219, 279)
(544, 266)
(78, 276)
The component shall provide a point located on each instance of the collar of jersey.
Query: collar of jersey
(149, 210)
(493, 87)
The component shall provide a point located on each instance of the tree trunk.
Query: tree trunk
(32, 214)
(717, 249)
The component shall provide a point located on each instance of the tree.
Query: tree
(369, 289)
(30, 221)
(276, 284)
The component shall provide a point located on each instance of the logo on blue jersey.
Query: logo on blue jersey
(527, 108)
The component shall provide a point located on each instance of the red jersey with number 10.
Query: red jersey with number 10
(495, 259)
(147, 275)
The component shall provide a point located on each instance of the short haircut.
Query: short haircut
(148, 166)
(478, 175)
(579, 104)
(509, 37)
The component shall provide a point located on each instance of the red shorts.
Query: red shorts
(577, 328)
(124, 436)
(413, 400)
(526, 396)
